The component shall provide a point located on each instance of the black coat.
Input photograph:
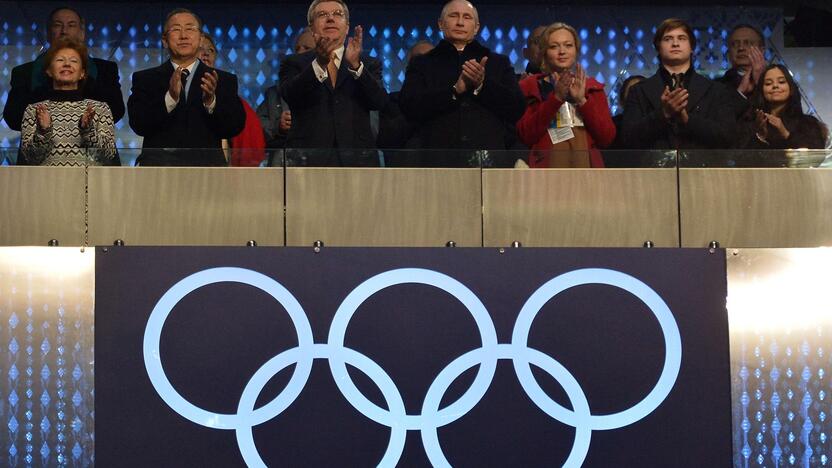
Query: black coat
(711, 124)
(324, 116)
(101, 84)
(482, 121)
(189, 125)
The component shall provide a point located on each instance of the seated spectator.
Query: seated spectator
(776, 120)
(247, 146)
(29, 84)
(677, 108)
(567, 117)
(66, 129)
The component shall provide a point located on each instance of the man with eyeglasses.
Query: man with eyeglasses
(183, 103)
(331, 91)
(29, 84)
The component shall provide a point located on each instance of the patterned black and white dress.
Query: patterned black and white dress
(65, 143)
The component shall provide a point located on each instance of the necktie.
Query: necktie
(332, 70)
(183, 95)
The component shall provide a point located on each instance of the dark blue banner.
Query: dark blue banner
(411, 357)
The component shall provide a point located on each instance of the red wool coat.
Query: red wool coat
(533, 127)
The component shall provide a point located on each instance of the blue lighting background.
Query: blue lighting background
(252, 40)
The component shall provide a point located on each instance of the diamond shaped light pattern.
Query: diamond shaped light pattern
(46, 367)
(252, 41)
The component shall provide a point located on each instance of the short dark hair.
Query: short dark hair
(177, 11)
(747, 26)
(669, 25)
(67, 43)
(56, 10)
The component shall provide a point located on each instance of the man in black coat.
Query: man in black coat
(331, 91)
(29, 83)
(463, 96)
(184, 104)
(677, 108)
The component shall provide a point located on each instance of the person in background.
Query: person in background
(274, 114)
(331, 91)
(462, 95)
(776, 119)
(67, 129)
(623, 92)
(29, 84)
(747, 59)
(248, 145)
(532, 51)
(395, 130)
(567, 118)
(677, 108)
(184, 103)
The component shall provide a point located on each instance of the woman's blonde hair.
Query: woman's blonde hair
(543, 42)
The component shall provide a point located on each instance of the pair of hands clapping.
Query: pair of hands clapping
(755, 73)
(472, 75)
(570, 86)
(45, 120)
(208, 85)
(764, 119)
(326, 46)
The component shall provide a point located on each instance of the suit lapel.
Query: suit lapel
(697, 89)
(653, 89)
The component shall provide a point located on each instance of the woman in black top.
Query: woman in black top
(776, 119)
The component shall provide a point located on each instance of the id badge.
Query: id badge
(558, 135)
(561, 127)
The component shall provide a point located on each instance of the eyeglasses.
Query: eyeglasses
(336, 14)
(185, 30)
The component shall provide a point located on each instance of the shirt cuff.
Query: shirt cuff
(170, 104)
(479, 88)
(320, 73)
(210, 107)
(357, 73)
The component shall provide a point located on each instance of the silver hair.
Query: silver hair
(315, 3)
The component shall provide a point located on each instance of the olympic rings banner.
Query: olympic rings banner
(411, 357)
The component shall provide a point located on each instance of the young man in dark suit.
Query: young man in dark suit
(677, 108)
(183, 103)
(29, 83)
(331, 91)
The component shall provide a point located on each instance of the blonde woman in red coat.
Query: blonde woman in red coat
(567, 119)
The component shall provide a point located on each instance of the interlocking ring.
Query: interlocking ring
(432, 416)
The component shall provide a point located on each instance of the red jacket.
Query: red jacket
(250, 142)
(533, 126)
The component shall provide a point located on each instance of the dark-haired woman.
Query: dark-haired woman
(66, 129)
(776, 119)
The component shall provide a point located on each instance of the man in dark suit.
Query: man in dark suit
(29, 84)
(677, 108)
(462, 95)
(183, 103)
(331, 91)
